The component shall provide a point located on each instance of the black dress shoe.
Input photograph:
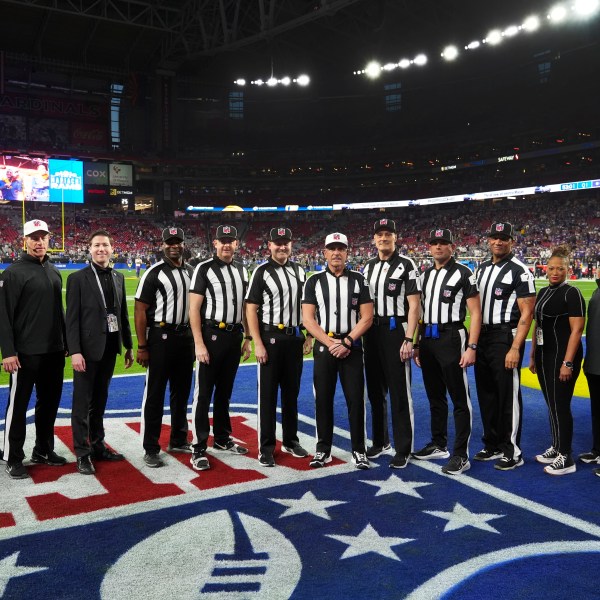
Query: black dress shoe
(107, 454)
(84, 465)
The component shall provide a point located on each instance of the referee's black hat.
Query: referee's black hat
(386, 224)
(226, 232)
(441, 235)
(169, 233)
(499, 228)
(280, 233)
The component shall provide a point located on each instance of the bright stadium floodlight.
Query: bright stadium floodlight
(450, 53)
(510, 31)
(389, 66)
(404, 63)
(531, 23)
(585, 8)
(557, 14)
(240, 81)
(285, 81)
(420, 60)
(258, 82)
(303, 80)
(271, 82)
(373, 69)
(473, 45)
(494, 37)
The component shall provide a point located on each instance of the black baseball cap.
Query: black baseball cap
(440, 235)
(386, 224)
(226, 232)
(171, 233)
(280, 233)
(501, 228)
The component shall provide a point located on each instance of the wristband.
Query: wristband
(349, 338)
(248, 337)
(142, 347)
(408, 340)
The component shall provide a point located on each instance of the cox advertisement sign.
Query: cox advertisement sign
(95, 173)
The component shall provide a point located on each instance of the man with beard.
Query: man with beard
(165, 346)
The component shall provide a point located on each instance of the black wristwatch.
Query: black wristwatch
(472, 346)
(568, 364)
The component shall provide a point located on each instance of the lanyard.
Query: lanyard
(100, 287)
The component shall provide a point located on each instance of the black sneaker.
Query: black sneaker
(153, 461)
(431, 452)
(185, 448)
(17, 471)
(590, 457)
(85, 466)
(230, 446)
(375, 451)
(488, 454)
(50, 458)
(562, 465)
(199, 461)
(508, 464)
(360, 460)
(547, 457)
(266, 460)
(399, 461)
(298, 451)
(456, 465)
(320, 459)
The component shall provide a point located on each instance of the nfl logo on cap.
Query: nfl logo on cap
(173, 230)
(281, 231)
(439, 232)
(499, 226)
(226, 229)
(37, 223)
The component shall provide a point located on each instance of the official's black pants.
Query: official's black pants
(386, 373)
(171, 360)
(90, 394)
(282, 370)
(442, 374)
(558, 394)
(499, 392)
(327, 368)
(594, 385)
(45, 372)
(224, 349)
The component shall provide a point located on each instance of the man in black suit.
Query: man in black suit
(97, 328)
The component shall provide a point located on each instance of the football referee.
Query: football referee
(273, 310)
(507, 291)
(445, 349)
(337, 309)
(394, 283)
(165, 345)
(217, 318)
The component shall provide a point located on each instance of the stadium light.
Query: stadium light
(585, 8)
(493, 37)
(420, 60)
(404, 63)
(286, 81)
(373, 70)
(303, 80)
(511, 31)
(531, 23)
(473, 45)
(271, 82)
(241, 82)
(450, 53)
(558, 13)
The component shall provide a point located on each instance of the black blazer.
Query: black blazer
(86, 316)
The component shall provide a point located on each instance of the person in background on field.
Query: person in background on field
(556, 355)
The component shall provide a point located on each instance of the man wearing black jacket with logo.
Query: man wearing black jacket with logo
(32, 339)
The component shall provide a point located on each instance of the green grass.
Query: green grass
(587, 287)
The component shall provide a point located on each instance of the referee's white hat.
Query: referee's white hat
(336, 238)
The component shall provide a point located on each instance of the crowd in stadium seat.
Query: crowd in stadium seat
(540, 222)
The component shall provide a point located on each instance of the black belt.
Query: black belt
(287, 330)
(223, 326)
(497, 327)
(171, 327)
(450, 326)
(386, 320)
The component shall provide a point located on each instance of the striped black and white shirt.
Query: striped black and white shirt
(500, 284)
(277, 290)
(223, 286)
(337, 299)
(165, 288)
(445, 292)
(391, 281)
